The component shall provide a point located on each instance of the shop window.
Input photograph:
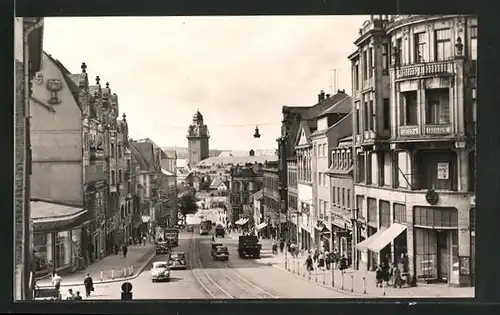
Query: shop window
(409, 108)
(437, 106)
(372, 211)
(436, 217)
(63, 250)
(426, 254)
(42, 259)
(399, 212)
(385, 213)
(76, 244)
(437, 169)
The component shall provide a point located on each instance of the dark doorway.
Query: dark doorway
(443, 256)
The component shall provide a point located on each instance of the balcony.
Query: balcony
(429, 69)
(96, 154)
(438, 130)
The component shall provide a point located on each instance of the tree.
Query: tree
(187, 205)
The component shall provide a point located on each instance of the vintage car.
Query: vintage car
(160, 271)
(190, 228)
(220, 253)
(162, 248)
(177, 260)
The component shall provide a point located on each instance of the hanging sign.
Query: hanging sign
(443, 170)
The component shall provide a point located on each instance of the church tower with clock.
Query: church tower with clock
(197, 136)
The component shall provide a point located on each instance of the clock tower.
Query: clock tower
(197, 136)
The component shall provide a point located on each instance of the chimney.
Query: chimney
(339, 91)
(327, 96)
(321, 96)
(251, 153)
(343, 91)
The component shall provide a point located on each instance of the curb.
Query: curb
(139, 271)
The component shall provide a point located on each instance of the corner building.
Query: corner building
(414, 83)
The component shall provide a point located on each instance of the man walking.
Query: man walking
(124, 250)
(89, 284)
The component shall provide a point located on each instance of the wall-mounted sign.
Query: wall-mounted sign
(54, 86)
(443, 170)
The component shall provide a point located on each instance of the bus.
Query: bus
(205, 227)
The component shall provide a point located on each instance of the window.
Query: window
(361, 168)
(343, 197)
(120, 179)
(334, 200)
(473, 43)
(420, 53)
(372, 211)
(409, 108)
(443, 45)
(437, 169)
(385, 213)
(113, 179)
(387, 114)
(367, 115)
(372, 116)
(385, 59)
(324, 150)
(112, 150)
(338, 196)
(399, 58)
(370, 62)
(365, 65)
(438, 108)
(435, 217)
(320, 179)
(381, 168)
(399, 213)
(348, 198)
(356, 77)
(358, 120)
(474, 110)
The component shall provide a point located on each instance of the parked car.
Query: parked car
(160, 271)
(177, 260)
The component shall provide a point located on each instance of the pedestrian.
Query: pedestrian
(327, 260)
(56, 281)
(321, 260)
(274, 247)
(88, 283)
(282, 245)
(315, 254)
(124, 250)
(78, 297)
(343, 263)
(396, 276)
(309, 263)
(144, 238)
(70, 296)
(115, 249)
(379, 276)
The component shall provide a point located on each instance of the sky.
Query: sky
(237, 71)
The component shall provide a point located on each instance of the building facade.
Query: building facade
(292, 192)
(274, 218)
(245, 181)
(332, 124)
(169, 185)
(414, 83)
(28, 46)
(198, 136)
(341, 197)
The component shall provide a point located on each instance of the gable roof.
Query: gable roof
(138, 152)
(305, 131)
(155, 146)
(343, 106)
(72, 85)
(170, 153)
(216, 182)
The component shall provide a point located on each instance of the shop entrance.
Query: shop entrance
(443, 256)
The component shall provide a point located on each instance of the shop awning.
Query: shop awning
(364, 244)
(145, 218)
(241, 221)
(321, 228)
(53, 216)
(386, 237)
(261, 226)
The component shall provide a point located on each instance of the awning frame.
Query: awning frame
(386, 237)
(362, 246)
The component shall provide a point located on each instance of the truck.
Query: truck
(219, 231)
(205, 227)
(249, 246)
(172, 236)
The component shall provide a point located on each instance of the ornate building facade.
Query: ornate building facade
(198, 136)
(414, 83)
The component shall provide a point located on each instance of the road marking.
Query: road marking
(253, 285)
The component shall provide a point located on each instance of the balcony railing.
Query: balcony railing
(437, 68)
(438, 130)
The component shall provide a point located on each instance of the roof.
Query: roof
(233, 160)
(303, 126)
(68, 78)
(165, 172)
(343, 106)
(143, 165)
(170, 154)
(42, 211)
(217, 182)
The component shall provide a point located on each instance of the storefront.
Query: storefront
(322, 235)
(436, 244)
(57, 237)
(342, 235)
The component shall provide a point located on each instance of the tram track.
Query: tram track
(220, 281)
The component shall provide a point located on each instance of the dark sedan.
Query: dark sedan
(178, 260)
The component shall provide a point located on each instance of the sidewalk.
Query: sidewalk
(112, 266)
(362, 283)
